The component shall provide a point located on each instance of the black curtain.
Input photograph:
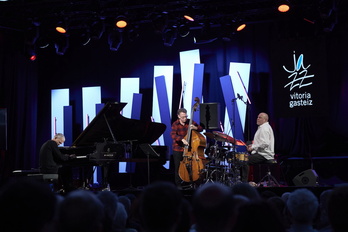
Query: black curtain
(19, 91)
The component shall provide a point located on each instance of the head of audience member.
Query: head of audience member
(160, 207)
(26, 205)
(120, 221)
(267, 194)
(285, 196)
(338, 208)
(246, 190)
(126, 203)
(213, 208)
(302, 206)
(81, 210)
(280, 206)
(109, 201)
(323, 219)
(185, 221)
(259, 215)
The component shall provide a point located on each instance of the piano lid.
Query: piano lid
(122, 128)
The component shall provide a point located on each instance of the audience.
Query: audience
(338, 209)
(109, 201)
(246, 190)
(259, 215)
(29, 205)
(160, 207)
(302, 206)
(26, 205)
(323, 224)
(213, 208)
(81, 210)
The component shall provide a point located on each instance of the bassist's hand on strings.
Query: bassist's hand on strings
(184, 142)
(193, 127)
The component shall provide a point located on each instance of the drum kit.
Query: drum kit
(224, 161)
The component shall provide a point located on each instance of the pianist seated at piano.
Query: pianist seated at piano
(51, 158)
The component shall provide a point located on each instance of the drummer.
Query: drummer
(262, 148)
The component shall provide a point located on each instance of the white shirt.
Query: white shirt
(264, 141)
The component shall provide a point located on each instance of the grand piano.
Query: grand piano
(110, 137)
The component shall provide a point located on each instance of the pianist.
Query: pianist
(51, 159)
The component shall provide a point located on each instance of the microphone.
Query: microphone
(240, 97)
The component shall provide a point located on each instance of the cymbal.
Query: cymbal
(222, 137)
(209, 135)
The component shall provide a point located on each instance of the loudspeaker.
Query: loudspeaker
(209, 115)
(306, 178)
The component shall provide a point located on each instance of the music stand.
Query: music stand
(148, 150)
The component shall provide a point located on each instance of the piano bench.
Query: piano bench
(44, 177)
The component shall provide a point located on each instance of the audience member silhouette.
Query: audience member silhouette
(109, 201)
(185, 222)
(213, 208)
(280, 205)
(338, 208)
(323, 224)
(246, 190)
(259, 215)
(82, 211)
(26, 205)
(160, 207)
(302, 207)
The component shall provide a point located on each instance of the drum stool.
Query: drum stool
(268, 179)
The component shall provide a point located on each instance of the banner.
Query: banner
(299, 77)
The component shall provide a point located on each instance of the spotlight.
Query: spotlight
(61, 28)
(31, 52)
(189, 14)
(115, 40)
(283, 6)
(241, 27)
(189, 18)
(121, 22)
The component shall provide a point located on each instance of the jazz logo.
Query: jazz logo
(299, 74)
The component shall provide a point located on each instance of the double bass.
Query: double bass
(191, 164)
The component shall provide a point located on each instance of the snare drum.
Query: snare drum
(239, 157)
(242, 156)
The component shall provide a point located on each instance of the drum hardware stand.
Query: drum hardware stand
(268, 178)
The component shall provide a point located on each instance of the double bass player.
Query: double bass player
(179, 130)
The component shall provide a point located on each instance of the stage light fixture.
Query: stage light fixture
(189, 17)
(184, 30)
(121, 22)
(169, 36)
(160, 22)
(240, 27)
(31, 52)
(189, 14)
(205, 35)
(97, 29)
(61, 27)
(283, 6)
(32, 34)
(133, 33)
(61, 45)
(115, 39)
